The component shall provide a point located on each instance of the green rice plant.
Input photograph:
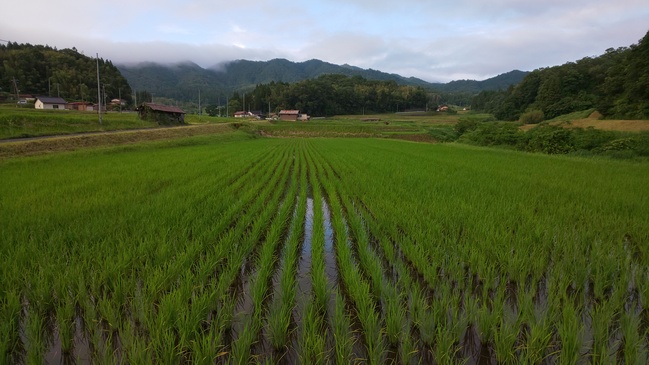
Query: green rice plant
(241, 348)
(65, 324)
(570, 332)
(535, 349)
(445, 346)
(35, 338)
(342, 335)
(505, 337)
(312, 343)
(602, 317)
(395, 316)
(634, 346)
(10, 308)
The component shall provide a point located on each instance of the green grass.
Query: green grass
(544, 256)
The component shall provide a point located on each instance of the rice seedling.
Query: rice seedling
(342, 336)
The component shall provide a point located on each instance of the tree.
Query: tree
(212, 110)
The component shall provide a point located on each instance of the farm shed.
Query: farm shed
(162, 114)
(289, 115)
(80, 105)
(46, 102)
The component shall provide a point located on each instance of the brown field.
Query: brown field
(608, 125)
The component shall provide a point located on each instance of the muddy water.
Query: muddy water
(304, 265)
(330, 256)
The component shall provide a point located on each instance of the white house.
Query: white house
(46, 102)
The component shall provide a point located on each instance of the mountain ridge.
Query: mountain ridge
(181, 81)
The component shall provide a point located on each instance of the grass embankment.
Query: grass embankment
(167, 253)
(16, 123)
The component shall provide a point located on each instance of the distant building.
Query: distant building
(83, 106)
(443, 108)
(162, 114)
(47, 102)
(249, 114)
(292, 115)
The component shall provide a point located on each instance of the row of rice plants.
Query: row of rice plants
(355, 285)
(108, 279)
(260, 282)
(494, 268)
(279, 317)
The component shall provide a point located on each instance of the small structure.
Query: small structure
(47, 102)
(292, 115)
(162, 114)
(443, 108)
(249, 114)
(83, 106)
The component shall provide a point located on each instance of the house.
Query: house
(249, 114)
(83, 106)
(289, 115)
(162, 114)
(443, 108)
(47, 102)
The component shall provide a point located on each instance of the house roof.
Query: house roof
(51, 100)
(289, 112)
(164, 108)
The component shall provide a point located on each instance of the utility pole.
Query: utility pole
(199, 102)
(98, 89)
(16, 91)
(227, 107)
(119, 92)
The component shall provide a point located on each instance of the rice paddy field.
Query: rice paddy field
(233, 248)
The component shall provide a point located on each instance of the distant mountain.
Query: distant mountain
(183, 81)
(500, 82)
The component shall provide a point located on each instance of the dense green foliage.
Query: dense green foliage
(615, 83)
(555, 139)
(42, 70)
(237, 249)
(334, 95)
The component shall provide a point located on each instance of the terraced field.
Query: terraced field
(237, 250)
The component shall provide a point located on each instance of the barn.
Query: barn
(161, 114)
(290, 115)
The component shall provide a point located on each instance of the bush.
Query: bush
(532, 117)
(549, 139)
(494, 134)
(591, 138)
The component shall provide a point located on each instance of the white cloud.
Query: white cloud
(436, 41)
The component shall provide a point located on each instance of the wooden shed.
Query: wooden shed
(290, 115)
(162, 114)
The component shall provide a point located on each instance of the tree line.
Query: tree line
(332, 95)
(615, 83)
(45, 71)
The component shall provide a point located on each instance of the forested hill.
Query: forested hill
(43, 70)
(182, 81)
(615, 83)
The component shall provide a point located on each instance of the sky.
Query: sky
(437, 41)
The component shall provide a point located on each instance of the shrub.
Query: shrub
(549, 139)
(532, 117)
(591, 138)
(494, 134)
